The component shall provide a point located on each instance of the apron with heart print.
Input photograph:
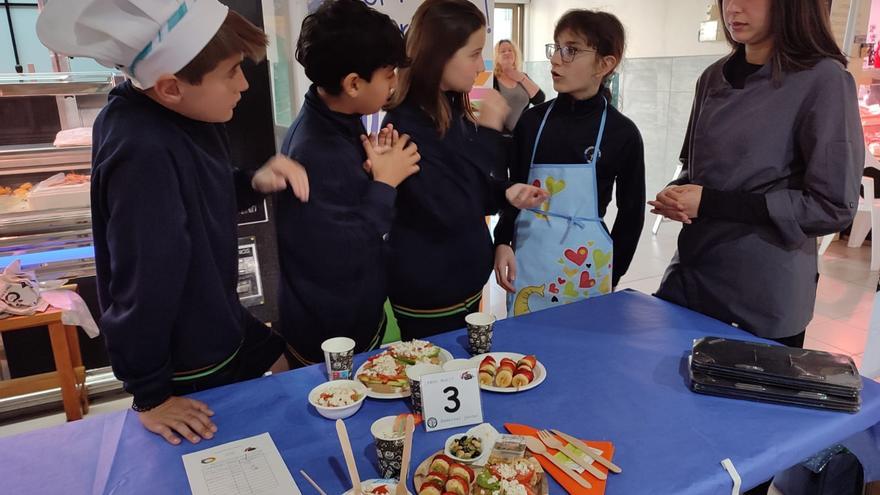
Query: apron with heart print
(563, 252)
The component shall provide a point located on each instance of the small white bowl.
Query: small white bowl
(448, 450)
(341, 412)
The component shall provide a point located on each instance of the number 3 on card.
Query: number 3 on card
(451, 399)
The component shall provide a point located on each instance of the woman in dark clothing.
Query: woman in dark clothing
(441, 248)
(772, 159)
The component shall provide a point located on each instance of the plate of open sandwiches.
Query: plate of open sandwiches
(509, 372)
(509, 470)
(384, 374)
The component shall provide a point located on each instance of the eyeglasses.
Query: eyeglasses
(568, 53)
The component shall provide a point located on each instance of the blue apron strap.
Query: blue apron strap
(598, 138)
(601, 132)
(579, 222)
(541, 131)
(572, 220)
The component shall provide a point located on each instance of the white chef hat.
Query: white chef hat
(143, 38)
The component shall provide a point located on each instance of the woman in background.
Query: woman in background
(513, 84)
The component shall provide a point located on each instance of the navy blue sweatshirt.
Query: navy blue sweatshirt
(441, 248)
(164, 218)
(571, 129)
(333, 250)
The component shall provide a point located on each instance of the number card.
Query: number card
(451, 399)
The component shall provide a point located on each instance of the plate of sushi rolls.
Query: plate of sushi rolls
(441, 475)
(509, 372)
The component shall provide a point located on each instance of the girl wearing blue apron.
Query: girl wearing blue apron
(577, 147)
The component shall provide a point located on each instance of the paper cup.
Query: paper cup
(339, 357)
(479, 327)
(389, 446)
(414, 376)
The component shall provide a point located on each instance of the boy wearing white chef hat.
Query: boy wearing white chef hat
(164, 213)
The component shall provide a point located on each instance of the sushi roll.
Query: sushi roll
(431, 488)
(504, 377)
(436, 477)
(529, 360)
(440, 465)
(487, 378)
(522, 377)
(487, 370)
(458, 486)
(507, 362)
(462, 471)
(488, 365)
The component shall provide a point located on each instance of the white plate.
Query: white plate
(444, 356)
(370, 484)
(540, 372)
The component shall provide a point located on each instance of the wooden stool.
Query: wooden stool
(69, 372)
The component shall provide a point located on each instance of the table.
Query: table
(618, 359)
(69, 371)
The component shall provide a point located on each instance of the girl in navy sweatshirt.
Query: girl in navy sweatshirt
(441, 248)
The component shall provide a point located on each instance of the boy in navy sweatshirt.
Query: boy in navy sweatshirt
(333, 249)
(164, 211)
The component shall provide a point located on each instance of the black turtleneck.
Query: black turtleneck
(332, 250)
(738, 69)
(572, 127)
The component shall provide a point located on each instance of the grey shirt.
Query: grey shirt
(518, 99)
(800, 145)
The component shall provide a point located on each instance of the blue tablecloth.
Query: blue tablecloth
(616, 371)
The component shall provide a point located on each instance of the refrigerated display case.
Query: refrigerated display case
(47, 223)
(50, 231)
(45, 220)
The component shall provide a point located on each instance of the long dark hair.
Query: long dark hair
(439, 29)
(602, 31)
(801, 34)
